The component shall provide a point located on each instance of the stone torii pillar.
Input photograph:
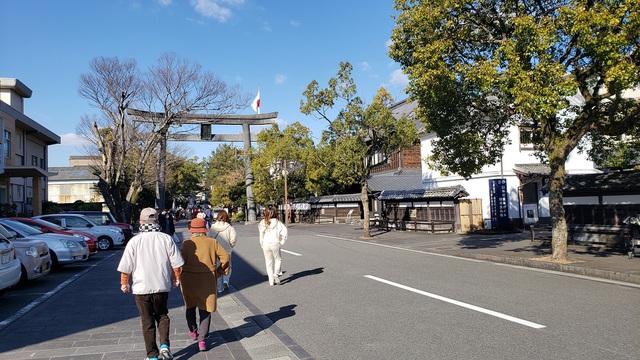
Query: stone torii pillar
(206, 121)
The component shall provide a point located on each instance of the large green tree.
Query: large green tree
(281, 153)
(185, 178)
(358, 132)
(224, 171)
(477, 67)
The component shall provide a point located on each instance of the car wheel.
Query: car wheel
(23, 276)
(104, 243)
(54, 260)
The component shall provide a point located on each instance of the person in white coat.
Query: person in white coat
(225, 235)
(273, 235)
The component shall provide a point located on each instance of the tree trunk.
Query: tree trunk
(365, 210)
(558, 220)
(162, 173)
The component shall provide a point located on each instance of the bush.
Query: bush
(238, 217)
(7, 210)
(50, 207)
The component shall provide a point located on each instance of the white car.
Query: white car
(34, 255)
(9, 265)
(64, 249)
(108, 236)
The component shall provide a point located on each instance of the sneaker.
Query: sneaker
(165, 353)
(276, 279)
(151, 358)
(202, 345)
(225, 285)
(193, 335)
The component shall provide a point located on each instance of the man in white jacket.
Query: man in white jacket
(150, 260)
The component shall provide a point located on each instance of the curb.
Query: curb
(537, 264)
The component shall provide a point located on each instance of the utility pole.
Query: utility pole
(287, 208)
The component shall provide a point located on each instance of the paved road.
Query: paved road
(328, 309)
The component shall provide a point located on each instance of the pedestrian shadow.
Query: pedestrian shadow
(302, 274)
(221, 334)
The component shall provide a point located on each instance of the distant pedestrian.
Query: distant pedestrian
(205, 260)
(149, 261)
(166, 222)
(273, 235)
(225, 234)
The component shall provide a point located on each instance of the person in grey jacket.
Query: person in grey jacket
(273, 235)
(225, 235)
(152, 261)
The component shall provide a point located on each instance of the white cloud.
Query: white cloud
(165, 2)
(214, 8)
(280, 78)
(398, 78)
(295, 23)
(365, 65)
(72, 139)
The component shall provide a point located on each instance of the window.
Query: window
(34, 160)
(41, 163)
(7, 144)
(526, 138)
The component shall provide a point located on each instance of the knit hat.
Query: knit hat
(198, 225)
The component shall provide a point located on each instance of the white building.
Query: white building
(24, 153)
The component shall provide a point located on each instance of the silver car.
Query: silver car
(34, 256)
(9, 265)
(64, 249)
(108, 236)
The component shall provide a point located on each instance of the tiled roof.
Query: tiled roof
(335, 198)
(71, 173)
(407, 108)
(405, 179)
(449, 192)
(612, 182)
(531, 169)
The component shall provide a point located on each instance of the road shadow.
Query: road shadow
(302, 274)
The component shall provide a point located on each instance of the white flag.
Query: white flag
(255, 105)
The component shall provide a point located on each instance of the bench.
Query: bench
(432, 226)
(609, 236)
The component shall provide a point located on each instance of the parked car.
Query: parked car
(34, 256)
(108, 236)
(9, 265)
(47, 227)
(106, 218)
(64, 249)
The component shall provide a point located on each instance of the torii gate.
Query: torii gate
(206, 121)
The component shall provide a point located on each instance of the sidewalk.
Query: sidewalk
(90, 318)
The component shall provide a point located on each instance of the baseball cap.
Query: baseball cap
(148, 214)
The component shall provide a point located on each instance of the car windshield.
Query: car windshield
(4, 233)
(22, 229)
(48, 224)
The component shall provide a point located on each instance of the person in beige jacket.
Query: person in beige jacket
(225, 235)
(199, 278)
(273, 235)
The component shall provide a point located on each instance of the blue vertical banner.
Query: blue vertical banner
(499, 203)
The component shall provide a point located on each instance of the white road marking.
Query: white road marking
(460, 303)
(290, 252)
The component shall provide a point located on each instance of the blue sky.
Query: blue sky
(279, 46)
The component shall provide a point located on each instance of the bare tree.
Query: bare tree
(110, 87)
(174, 87)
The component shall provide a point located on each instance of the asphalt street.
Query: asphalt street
(396, 295)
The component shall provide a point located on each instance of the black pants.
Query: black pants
(202, 328)
(153, 310)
